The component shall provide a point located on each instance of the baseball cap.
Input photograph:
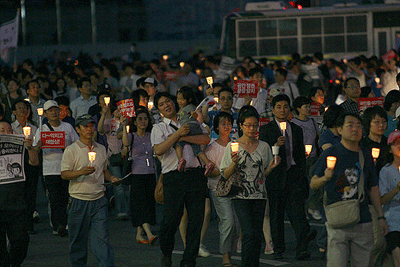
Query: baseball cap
(393, 136)
(397, 113)
(49, 104)
(151, 81)
(84, 120)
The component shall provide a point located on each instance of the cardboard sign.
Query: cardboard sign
(261, 122)
(246, 87)
(53, 139)
(127, 108)
(315, 108)
(170, 75)
(11, 158)
(364, 103)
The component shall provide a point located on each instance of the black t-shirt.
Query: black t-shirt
(344, 183)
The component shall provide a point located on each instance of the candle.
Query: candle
(40, 111)
(216, 99)
(107, 100)
(27, 131)
(308, 149)
(275, 152)
(330, 162)
(326, 109)
(210, 80)
(282, 125)
(165, 57)
(127, 128)
(92, 157)
(375, 152)
(150, 105)
(235, 147)
(377, 80)
(182, 64)
(26, 99)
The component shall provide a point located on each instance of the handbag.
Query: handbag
(346, 213)
(159, 191)
(229, 187)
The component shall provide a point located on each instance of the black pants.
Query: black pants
(32, 179)
(250, 213)
(14, 225)
(183, 189)
(58, 197)
(291, 200)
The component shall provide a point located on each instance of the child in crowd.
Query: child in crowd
(187, 115)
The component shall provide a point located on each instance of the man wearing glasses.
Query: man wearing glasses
(353, 91)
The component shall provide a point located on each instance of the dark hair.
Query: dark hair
(247, 112)
(299, 102)
(158, 95)
(255, 70)
(102, 92)
(62, 100)
(342, 118)
(82, 80)
(331, 115)
(137, 94)
(140, 110)
(31, 81)
(282, 72)
(217, 85)
(14, 105)
(187, 94)
(346, 82)
(398, 77)
(392, 97)
(313, 91)
(369, 115)
(225, 89)
(140, 81)
(278, 98)
(319, 56)
(219, 117)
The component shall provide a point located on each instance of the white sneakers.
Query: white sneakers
(203, 252)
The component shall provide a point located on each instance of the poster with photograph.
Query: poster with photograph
(11, 158)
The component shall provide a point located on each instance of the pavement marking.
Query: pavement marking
(270, 262)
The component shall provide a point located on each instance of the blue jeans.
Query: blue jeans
(89, 217)
(121, 192)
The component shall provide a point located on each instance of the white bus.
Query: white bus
(334, 31)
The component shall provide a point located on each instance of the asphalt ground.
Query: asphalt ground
(48, 250)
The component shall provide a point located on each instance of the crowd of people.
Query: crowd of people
(187, 117)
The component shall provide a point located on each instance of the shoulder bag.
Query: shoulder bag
(229, 187)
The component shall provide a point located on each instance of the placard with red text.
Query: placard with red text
(246, 87)
(53, 139)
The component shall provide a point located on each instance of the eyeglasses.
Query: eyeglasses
(382, 122)
(225, 98)
(254, 126)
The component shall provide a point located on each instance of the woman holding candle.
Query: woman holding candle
(389, 186)
(254, 162)
(143, 181)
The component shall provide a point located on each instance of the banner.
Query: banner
(246, 87)
(364, 103)
(53, 139)
(9, 38)
(127, 108)
(11, 159)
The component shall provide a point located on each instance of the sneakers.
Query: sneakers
(182, 164)
(209, 168)
(269, 248)
(203, 252)
(315, 214)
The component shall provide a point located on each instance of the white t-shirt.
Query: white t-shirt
(214, 152)
(52, 157)
(259, 103)
(289, 88)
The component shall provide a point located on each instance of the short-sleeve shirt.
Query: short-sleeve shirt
(389, 176)
(142, 154)
(214, 152)
(169, 160)
(309, 128)
(251, 168)
(110, 128)
(344, 183)
(327, 137)
(52, 156)
(85, 187)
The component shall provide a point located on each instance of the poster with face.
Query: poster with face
(347, 184)
(11, 158)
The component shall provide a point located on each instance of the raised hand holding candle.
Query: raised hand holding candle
(331, 162)
(235, 147)
(216, 99)
(375, 152)
(209, 80)
(308, 149)
(40, 111)
(92, 157)
(27, 131)
(150, 105)
(107, 100)
(282, 125)
(127, 128)
(275, 152)
(377, 80)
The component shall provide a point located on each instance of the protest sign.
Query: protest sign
(11, 158)
(315, 108)
(246, 87)
(127, 108)
(170, 75)
(53, 139)
(364, 103)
